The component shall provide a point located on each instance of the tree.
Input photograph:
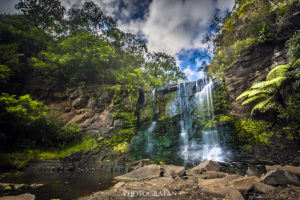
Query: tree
(90, 18)
(163, 66)
(79, 58)
(44, 13)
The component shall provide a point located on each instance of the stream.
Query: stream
(60, 185)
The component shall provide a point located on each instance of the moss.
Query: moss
(220, 99)
(242, 9)
(249, 130)
(85, 144)
(122, 147)
(242, 45)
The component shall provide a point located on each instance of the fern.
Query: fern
(276, 82)
(258, 85)
(265, 90)
(243, 95)
(278, 71)
(253, 98)
(261, 104)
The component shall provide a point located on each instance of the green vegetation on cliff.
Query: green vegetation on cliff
(250, 25)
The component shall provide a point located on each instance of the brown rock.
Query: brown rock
(279, 177)
(252, 172)
(118, 185)
(219, 191)
(147, 172)
(161, 181)
(218, 181)
(26, 196)
(211, 175)
(234, 194)
(263, 188)
(137, 165)
(205, 166)
(173, 171)
(288, 168)
(245, 183)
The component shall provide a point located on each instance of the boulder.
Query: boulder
(211, 175)
(26, 196)
(173, 171)
(279, 177)
(118, 185)
(205, 166)
(252, 172)
(288, 168)
(218, 181)
(146, 172)
(262, 188)
(161, 181)
(137, 165)
(244, 183)
(234, 194)
(218, 191)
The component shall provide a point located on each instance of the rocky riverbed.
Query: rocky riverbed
(204, 181)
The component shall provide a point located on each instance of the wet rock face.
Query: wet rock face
(91, 108)
(252, 67)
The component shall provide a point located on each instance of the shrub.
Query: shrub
(25, 123)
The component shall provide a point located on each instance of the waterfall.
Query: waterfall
(149, 137)
(184, 131)
(202, 102)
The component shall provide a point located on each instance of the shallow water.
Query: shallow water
(61, 185)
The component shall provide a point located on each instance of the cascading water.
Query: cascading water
(185, 133)
(202, 103)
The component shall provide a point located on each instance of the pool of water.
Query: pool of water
(61, 185)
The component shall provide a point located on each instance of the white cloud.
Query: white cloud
(8, 6)
(173, 25)
(192, 74)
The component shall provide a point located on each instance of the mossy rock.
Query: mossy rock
(165, 142)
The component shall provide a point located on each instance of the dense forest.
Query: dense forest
(59, 48)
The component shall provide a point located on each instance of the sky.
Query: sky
(176, 27)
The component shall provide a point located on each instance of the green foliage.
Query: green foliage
(4, 76)
(19, 40)
(249, 130)
(89, 17)
(44, 13)
(24, 121)
(86, 143)
(163, 67)
(22, 158)
(80, 58)
(267, 91)
(124, 110)
(43, 46)
(241, 45)
(250, 23)
(293, 45)
(220, 98)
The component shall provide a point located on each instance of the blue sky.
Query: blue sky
(176, 27)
